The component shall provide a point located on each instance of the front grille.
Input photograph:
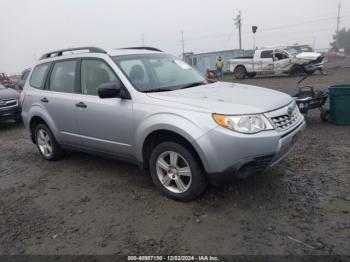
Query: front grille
(8, 103)
(283, 122)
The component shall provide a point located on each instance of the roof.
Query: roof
(91, 51)
(117, 52)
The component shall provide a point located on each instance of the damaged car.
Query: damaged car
(276, 61)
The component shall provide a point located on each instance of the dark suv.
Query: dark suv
(9, 104)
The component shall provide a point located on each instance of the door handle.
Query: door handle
(44, 100)
(81, 104)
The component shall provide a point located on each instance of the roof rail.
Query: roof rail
(60, 52)
(144, 48)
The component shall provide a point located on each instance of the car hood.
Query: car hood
(308, 56)
(227, 98)
(8, 93)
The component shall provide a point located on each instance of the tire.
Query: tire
(297, 70)
(310, 72)
(240, 72)
(177, 187)
(324, 115)
(47, 144)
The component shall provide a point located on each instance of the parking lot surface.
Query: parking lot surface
(85, 204)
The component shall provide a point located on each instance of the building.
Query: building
(204, 61)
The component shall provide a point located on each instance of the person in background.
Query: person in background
(219, 65)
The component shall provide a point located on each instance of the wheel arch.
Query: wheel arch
(37, 116)
(162, 135)
(240, 65)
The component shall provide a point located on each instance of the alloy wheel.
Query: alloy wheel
(44, 143)
(174, 172)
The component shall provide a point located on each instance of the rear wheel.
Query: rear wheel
(47, 144)
(176, 172)
(240, 72)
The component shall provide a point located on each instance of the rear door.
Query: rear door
(59, 99)
(105, 125)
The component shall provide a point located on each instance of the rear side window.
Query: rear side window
(38, 76)
(267, 54)
(62, 78)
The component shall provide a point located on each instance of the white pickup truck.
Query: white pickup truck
(276, 61)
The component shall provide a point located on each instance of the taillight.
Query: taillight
(22, 97)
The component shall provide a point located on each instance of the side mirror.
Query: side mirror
(109, 90)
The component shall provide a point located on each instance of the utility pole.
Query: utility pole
(183, 45)
(238, 24)
(338, 24)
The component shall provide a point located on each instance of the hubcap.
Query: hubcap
(44, 143)
(174, 172)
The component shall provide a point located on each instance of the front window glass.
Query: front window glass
(158, 72)
(1, 86)
(93, 74)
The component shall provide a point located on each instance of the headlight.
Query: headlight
(248, 124)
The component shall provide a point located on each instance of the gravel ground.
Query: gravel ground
(85, 204)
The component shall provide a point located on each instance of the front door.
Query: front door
(105, 125)
(281, 61)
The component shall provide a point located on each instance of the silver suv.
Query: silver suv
(150, 108)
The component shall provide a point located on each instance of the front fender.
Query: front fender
(179, 124)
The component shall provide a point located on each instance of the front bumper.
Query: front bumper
(10, 113)
(314, 67)
(227, 155)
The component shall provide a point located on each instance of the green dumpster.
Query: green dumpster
(339, 101)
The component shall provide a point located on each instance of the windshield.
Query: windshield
(2, 87)
(158, 72)
(292, 51)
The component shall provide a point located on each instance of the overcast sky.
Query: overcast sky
(28, 28)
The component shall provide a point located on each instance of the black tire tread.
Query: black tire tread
(199, 180)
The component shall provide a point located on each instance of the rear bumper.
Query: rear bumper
(230, 155)
(11, 113)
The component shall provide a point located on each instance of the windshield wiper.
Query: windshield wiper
(157, 90)
(194, 84)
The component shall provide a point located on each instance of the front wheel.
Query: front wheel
(297, 70)
(324, 115)
(176, 172)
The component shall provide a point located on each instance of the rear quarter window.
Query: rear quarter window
(39, 75)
